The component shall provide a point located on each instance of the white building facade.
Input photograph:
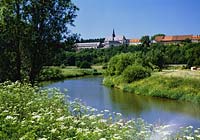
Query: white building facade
(89, 45)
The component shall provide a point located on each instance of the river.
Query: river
(153, 110)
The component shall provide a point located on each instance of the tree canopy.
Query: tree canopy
(30, 35)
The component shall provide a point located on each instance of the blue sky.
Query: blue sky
(135, 18)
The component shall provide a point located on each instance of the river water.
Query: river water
(153, 110)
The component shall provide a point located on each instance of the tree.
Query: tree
(145, 40)
(134, 73)
(187, 40)
(11, 36)
(35, 28)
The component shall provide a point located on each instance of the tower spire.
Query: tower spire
(113, 35)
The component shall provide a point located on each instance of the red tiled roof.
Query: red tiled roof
(134, 40)
(159, 38)
(172, 38)
(182, 37)
(196, 37)
(167, 38)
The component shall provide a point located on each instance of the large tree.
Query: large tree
(11, 36)
(34, 30)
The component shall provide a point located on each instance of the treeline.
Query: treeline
(157, 54)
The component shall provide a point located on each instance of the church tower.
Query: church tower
(113, 35)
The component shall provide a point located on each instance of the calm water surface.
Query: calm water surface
(153, 110)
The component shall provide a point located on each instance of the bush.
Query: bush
(50, 73)
(85, 64)
(135, 72)
(118, 63)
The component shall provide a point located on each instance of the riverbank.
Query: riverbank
(29, 113)
(176, 85)
(54, 73)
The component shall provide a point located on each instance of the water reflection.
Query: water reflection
(128, 103)
(93, 93)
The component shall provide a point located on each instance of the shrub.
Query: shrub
(104, 66)
(135, 72)
(85, 64)
(62, 66)
(118, 63)
(50, 73)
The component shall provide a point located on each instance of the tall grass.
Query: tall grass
(177, 88)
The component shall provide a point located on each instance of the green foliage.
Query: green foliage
(156, 55)
(84, 64)
(192, 56)
(32, 31)
(187, 40)
(134, 73)
(51, 73)
(145, 40)
(28, 113)
(172, 87)
(118, 63)
(58, 73)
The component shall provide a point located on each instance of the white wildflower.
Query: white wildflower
(62, 127)
(92, 117)
(100, 115)
(93, 110)
(93, 123)
(189, 137)
(9, 118)
(102, 139)
(102, 120)
(60, 119)
(117, 137)
(53, 130)
(190, 127)
(5, 111)
(42, 139)
(82, 123)
(36, 117)
(118, 114)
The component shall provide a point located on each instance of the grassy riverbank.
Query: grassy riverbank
(177, 85)
(59, 73)
(28, 113)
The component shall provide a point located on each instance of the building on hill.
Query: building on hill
(196, 38)
(176, 39)
(115, 40)
(134, 41)
(172, 39)
(88, 45)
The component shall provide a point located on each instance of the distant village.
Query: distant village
(122, 40)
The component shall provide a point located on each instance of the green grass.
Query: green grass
(77, 72)
(60, 73)
(28, 113)
(180, 73)
(173, 85)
